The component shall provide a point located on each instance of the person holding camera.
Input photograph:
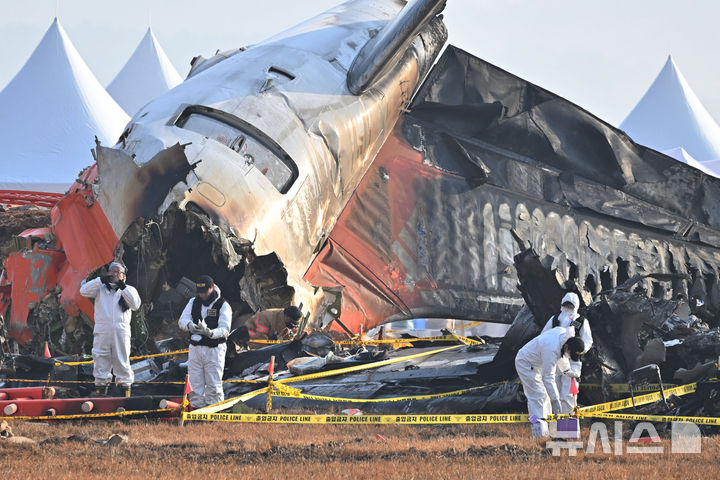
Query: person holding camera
(114, 303)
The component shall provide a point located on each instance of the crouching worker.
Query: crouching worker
(207, 317)
(578, 325)
(274, 323)
(536, 365)
(114, 301)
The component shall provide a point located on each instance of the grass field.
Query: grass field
(262, 451)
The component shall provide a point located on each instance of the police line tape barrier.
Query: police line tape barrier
(301, 378)
(444, 338)
(312, 376)
(425, 419)
(295, 393)
(367, 366)
(639, 400)
(357, 419)
(656, 418)
(625, 388)
(92, 382)
(91, 415)
(139, 357)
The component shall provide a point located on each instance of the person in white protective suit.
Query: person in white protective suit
(567, 369)
(207, 317)
(536, 364)
(114, 301)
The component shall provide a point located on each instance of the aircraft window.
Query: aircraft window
(254, 147)
(219, 131)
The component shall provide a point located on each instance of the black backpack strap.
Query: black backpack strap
(578, 323)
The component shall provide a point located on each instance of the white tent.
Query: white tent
(670, 116)
(50, 113)
(147, 74)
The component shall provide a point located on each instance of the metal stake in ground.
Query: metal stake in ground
(271, 370)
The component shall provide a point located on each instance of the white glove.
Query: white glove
(571, 373)
(555, 406)
(568, 368)
(192, 328)
(203, 329)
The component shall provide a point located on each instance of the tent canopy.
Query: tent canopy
(147, 74)
(50, 113)
(671, 116)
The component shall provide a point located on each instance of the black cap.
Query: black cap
(204, 283)
(293, 312)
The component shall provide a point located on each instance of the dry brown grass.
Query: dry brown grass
(234, 450)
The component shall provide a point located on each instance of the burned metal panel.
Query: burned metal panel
(142, 188)
(33, 274)
(483, 154)
(553, 132)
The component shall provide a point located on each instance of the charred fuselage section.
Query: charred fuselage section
(484, 158)
(166, 254)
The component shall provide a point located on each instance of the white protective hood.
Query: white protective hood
(50, 113)
(146, 75)
(670, 115)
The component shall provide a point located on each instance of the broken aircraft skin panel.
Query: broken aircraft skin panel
(484, 156)
(242, 170)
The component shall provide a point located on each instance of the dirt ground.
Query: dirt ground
(262, 451)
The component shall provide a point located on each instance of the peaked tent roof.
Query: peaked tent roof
(50, 113)
(670, 115)
(147, 74)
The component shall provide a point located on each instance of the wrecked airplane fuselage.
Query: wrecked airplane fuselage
(273, 145)
(264, 161)
(266, 144)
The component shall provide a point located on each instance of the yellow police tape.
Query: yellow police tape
(656, 418)
(625, 388)
(297, 394)
(92, 382)
(90, 415)
(356, 419)
(140, 357)
(311, 376)
(639, 400)
(444, 338)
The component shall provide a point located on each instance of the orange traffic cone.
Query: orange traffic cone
(573, 387)
(46, 354)
(188, 389)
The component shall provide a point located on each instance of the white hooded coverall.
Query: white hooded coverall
(535, 364)
(570, 368)
(206, 364)
(111, 334)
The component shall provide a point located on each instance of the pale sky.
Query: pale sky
(601, 55)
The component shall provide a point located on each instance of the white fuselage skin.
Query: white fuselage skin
(331, 135)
